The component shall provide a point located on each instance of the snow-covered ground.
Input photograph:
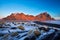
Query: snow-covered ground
(52, 21)
(12, 32)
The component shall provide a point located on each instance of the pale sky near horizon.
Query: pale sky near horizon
(33, 7)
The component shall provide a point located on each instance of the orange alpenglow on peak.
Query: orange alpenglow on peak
(22, 16)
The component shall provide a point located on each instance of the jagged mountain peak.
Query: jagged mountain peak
(22, 16)
(17, 13)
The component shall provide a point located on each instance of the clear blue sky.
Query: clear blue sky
(33, 7)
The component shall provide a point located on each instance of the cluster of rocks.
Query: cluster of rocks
(50, 34)
(39, 33)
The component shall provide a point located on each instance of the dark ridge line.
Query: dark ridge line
(48, 24)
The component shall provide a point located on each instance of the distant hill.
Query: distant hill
(22, 16)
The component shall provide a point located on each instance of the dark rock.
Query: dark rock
(33, 38)
(49, 36)
(26, 38)
(57, 37)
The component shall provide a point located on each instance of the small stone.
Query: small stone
(37, 33)
(21, 27)
(5, 37)
(14, 34)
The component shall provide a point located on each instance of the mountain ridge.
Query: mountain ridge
(21, 16)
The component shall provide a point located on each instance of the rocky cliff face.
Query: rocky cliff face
(22, 16)
(45, 16)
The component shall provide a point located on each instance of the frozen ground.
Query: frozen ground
(10, 31)
(54, 22)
